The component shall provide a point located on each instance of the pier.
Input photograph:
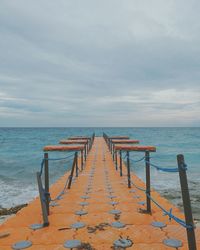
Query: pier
(100, 203)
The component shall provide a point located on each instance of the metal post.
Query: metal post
(87, 146)
(128, 170)
(93, 138)
(46, 181)
(107, 141)
(76, 156)
(85, 151)
(72, 172)
(91, 141)
(109, 144)
(186, 202)
(113, 151)
(148, 182)
(42, 201)
(116, 160)
(81, 159)
(120, 162)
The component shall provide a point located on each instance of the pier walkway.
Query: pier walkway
(99, 210)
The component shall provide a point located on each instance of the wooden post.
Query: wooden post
(186, 203)
(120, 164)
(46, 181)
(148, 182)
(128, 170)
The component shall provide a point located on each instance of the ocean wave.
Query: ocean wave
(15, 193)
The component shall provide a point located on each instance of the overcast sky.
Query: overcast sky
(99, 63)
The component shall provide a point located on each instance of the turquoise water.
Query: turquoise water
(21, 154)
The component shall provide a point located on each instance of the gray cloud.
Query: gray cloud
(91, 63)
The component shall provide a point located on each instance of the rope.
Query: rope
(123, 157)
(169, 170)
(41, 168)
(63, 191)
(141, 159)
(139, 188)
(52, 159)
(169, 213)
(58, 159)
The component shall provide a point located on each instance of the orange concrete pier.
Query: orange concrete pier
(99, 211)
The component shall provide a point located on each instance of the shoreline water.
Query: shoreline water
(21, 154)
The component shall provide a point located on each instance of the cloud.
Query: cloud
(102, 63)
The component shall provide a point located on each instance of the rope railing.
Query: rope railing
(69, 177)
(188, 224)
(171, 216)
(53, 159)
(45, 196)
(138, 160)
(123, 157)
(169, 170)
(139, 188)
(169, 213)
(164, 169)
(63, 190)
(78, 170)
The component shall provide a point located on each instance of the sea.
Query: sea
(21, 155)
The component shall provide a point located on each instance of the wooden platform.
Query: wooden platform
(63, 148)
(73, 141)
(125, 147)
(100, 185)
(125, 141)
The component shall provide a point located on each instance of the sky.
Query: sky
(133, 63)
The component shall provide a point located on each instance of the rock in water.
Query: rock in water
(12, 210)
